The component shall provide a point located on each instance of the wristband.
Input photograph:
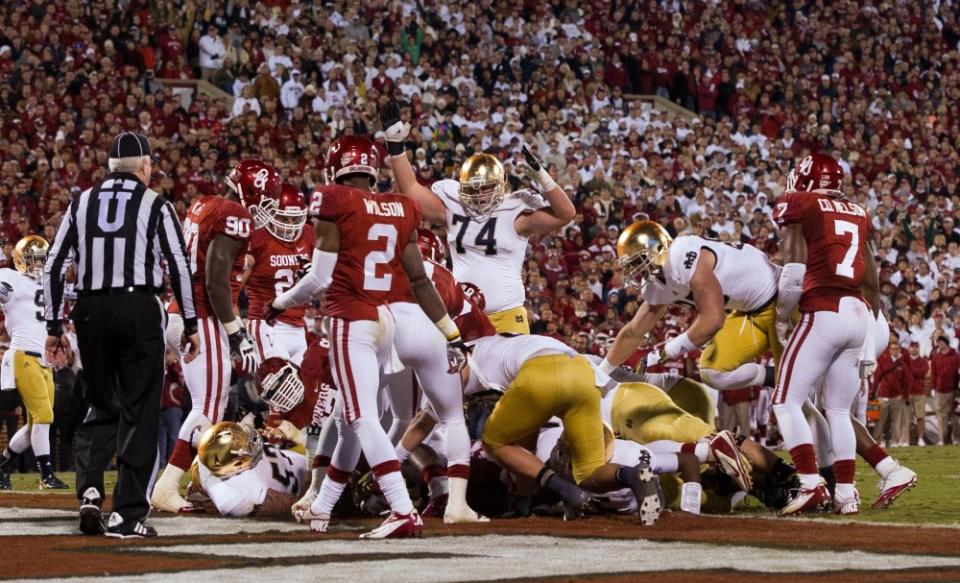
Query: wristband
(55, 328)
(232, 327)
(547, 183)
(607, 367)
(448, 328)
(679, 345)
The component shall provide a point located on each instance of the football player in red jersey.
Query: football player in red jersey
(830, 272)
(366, 242)
(217, 230)
(423, 351)
(278, 250)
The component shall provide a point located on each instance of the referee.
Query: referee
(119, 235)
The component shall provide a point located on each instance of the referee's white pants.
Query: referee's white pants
(284, 340)
(208, 380)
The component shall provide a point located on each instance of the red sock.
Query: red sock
(688, 448)
(320, 461)
(804, 459)
(875, 455)
(182, 455)
(844, 470)
(434, 471)
(459, 471)
(337, 475)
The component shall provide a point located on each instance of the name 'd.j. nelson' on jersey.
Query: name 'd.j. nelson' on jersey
(844, 208)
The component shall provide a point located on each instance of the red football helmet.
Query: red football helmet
(279, 384)
(431, 247)
(284, 215)
(253, 181)
(352, 155)
(817, 172)
(473, 293)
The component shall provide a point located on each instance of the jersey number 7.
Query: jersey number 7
(845, 267)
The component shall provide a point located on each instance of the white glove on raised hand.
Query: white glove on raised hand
(243, 349)
(654, 357)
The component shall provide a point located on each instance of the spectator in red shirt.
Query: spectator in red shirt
(918, 393)
(945, 371)
(892, 380)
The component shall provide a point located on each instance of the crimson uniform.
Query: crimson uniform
(208, 376)
(374, 230)
(827, 341)
(274, 270)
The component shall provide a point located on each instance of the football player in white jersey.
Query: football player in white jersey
(487, 230)
(732, 286)
(21, 295)
(243, 476)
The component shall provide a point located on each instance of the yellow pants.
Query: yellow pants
(643, 413)
(547, 386)
(35, 385)
(743, 339)
(693, 398)
(512, 321)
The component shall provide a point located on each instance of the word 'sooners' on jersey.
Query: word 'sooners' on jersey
(490, 253)
(746, 276)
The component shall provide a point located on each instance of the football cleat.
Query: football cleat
(52, 482)
(301, 506)
(436, 507)
(899, 481)
(847, 506)
(318, 522)
(646, 488)
(808, 499)
(171, 501)
(117, 527)
(91, 513)
(575, 509)
(461, 513)
(397, 526)
(733, 463)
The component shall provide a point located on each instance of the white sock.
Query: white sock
(457, 492)
(665, 463)
(395, 491)
(886, 467)
(810, 480)
(845, 491)
(40, 438)
(330, 491)
(702, 451)
(169, 479)
(20, 441)
(402, 453)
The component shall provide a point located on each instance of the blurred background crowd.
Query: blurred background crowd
(875, 83)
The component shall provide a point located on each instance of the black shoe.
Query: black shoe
(575, 507)
(91, 513)
(117, 527)
(52, 482)
(5, 483)
(646, 488)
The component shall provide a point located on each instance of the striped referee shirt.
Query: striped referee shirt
(119, 234)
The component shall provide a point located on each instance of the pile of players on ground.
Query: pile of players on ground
(428, 381)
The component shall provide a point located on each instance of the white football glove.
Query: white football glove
(243, 349)
(654, 357)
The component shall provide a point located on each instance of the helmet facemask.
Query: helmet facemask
(481, 198)
(282, 390)
(284, 224)
(640, 267)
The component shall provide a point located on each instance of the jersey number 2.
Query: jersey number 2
(371, 281)
(845, 267)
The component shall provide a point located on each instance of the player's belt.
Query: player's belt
(31, 353)
(115, 291)
(765, 305)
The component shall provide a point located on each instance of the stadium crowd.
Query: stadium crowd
(875, 83)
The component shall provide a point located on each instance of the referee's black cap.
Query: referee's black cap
(129, 145)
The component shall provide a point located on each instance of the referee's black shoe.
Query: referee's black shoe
(91, 513)
(117, 527)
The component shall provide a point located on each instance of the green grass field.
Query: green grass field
(934, 500)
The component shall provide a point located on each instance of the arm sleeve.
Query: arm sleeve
(6, 290)
(174, 249)
(59, 259)
(239, 495)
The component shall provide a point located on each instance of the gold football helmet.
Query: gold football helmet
(483, 185)
(30, 254)
(229, 448)
(642, 250)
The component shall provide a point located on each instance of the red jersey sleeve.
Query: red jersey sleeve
(790, 209)
(232, 220)
(327, 202)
